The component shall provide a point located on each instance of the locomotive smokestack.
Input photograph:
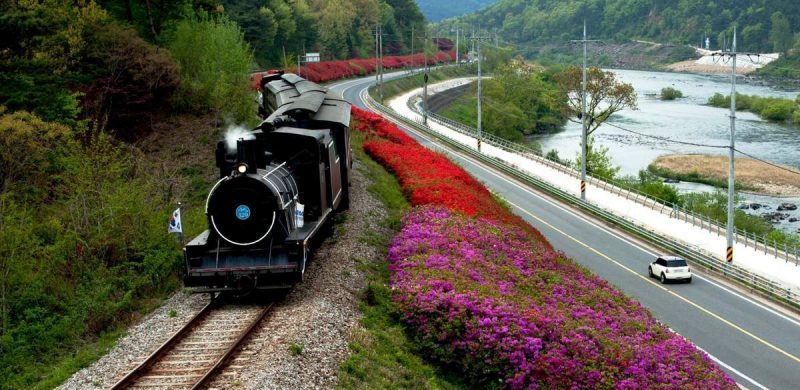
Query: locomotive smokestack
(233, 134)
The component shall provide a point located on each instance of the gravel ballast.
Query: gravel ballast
(302, 341)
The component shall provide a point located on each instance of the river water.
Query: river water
(689, 120)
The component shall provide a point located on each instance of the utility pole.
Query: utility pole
(729, 228)
(377, 32)
(379, 60)
(584, 119)
(456, 45)
(425, 81)
(412, 39)
(380, 52)
(477, 42)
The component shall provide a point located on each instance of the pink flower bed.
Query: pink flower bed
(485, 292)
(483, 297)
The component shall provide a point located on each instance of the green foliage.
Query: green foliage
(781, 33)
(296, 349)
(654, 186)
(82, 247)
(598, 161)
(769, 108)
(532, 23)
(552, 155)
(519, 99)
(280, 30)
(132, 79)
(214, 62)
(42, 42)
(670, 93)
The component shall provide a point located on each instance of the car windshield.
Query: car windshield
(676, 263)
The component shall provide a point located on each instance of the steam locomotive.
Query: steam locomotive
(279, 184)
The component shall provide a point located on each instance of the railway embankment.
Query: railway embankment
(306, 336)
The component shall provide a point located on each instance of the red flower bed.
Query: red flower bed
(495, 300)
(333, 70)
(429, 178)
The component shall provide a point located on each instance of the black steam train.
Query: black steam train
(278, 186)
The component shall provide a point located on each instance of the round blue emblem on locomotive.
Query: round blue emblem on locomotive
(243, 212)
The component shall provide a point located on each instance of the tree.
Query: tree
(598, 162)
(605, 95)
(781, 33)
(214, 62)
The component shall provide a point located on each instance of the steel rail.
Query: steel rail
(159, 353)
(229, 353)
(157, 356)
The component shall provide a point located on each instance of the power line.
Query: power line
(665, 139)
(767, 162)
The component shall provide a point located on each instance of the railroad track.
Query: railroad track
(197, 352)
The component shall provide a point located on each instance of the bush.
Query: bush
(134, 80)
(719, 100)
(82, 246)
(485, 298)
(670, 93)
(769, 108)
(779, 110)
(214, 62)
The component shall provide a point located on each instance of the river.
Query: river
(689, 120)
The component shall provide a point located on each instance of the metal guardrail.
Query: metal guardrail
(754, 282)
(787, 253)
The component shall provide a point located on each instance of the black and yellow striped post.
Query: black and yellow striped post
(479, 145)
(583, 189)
(729, 256)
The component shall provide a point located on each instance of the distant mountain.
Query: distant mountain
(436, 10)
(763, 25)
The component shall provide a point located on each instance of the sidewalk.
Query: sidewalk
(661, 221)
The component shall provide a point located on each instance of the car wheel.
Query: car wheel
(663, 279)
(650, 271)
(689, 280)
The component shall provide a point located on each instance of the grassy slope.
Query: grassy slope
(383, 354)
(192, 175)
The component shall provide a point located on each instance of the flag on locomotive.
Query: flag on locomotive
(175, 222)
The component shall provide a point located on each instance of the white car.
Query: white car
(670, 268)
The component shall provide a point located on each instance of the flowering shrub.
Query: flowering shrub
(333, 70)
(484, 297)
(429, 178)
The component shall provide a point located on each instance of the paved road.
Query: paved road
(757, 344)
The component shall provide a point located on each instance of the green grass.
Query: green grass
(296, 349)
(57, 373)
(384, 356)
(464, 109)
(397, 86)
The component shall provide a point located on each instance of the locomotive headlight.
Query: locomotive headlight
(241, 168)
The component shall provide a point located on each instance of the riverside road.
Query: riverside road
(757, 344)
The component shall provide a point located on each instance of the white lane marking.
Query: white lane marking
(636, 246)
(733, 370)
(612, 233)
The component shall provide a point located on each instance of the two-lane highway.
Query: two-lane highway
(759, 345)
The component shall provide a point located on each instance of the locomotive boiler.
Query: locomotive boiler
(279, 185)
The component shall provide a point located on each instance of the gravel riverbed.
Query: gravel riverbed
(305, 338)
